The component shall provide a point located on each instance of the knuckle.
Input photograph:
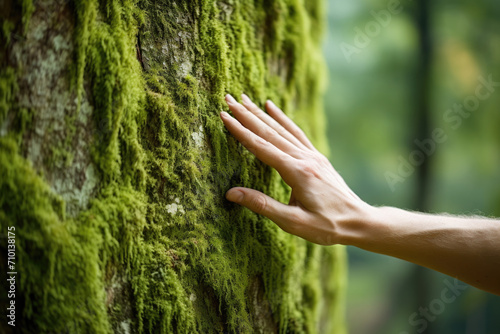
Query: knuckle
(295, 221)
(261, 142)
(309, 156)
(309, 169)
(301, 165)
(318, 157)
(312, 170)
(258, 203)
(269, 132)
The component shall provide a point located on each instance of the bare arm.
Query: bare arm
(324, 210)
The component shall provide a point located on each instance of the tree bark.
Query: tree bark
(114, 165)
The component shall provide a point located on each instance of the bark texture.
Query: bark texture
(114, 165)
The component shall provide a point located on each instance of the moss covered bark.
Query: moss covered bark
(114, 163)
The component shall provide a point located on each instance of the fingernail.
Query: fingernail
(234, 195)
(224, 114)
(245, 98)
(230, 99)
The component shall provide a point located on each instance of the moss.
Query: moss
(53, 253)
(159, 249)
(8, 89)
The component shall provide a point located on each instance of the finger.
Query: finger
(261, 129)
(288, 124)
(288, 218)
(262, 149)
(270, 121)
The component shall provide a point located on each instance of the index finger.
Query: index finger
(262, 149)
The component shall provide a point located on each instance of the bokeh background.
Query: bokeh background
(396, 89)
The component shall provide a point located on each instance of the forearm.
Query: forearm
(465, 248)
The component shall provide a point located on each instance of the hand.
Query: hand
(323, 210)
(320, 201)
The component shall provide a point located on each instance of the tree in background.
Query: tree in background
(114, 163)
(373, 105)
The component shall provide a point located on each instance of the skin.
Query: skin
(324, 210)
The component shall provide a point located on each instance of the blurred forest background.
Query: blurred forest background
(392, 91)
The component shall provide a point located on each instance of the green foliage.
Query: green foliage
(159, 249)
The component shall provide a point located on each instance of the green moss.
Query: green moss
(159, 249)
(53, 254)
(8, 89)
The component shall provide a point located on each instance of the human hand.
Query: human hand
(320, 202)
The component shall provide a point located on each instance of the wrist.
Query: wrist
(363, 226)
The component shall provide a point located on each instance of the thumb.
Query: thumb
(285, 216)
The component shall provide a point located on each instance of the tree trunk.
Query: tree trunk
(422, 121)
(114, 164)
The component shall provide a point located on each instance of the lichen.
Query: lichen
(150, 244)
